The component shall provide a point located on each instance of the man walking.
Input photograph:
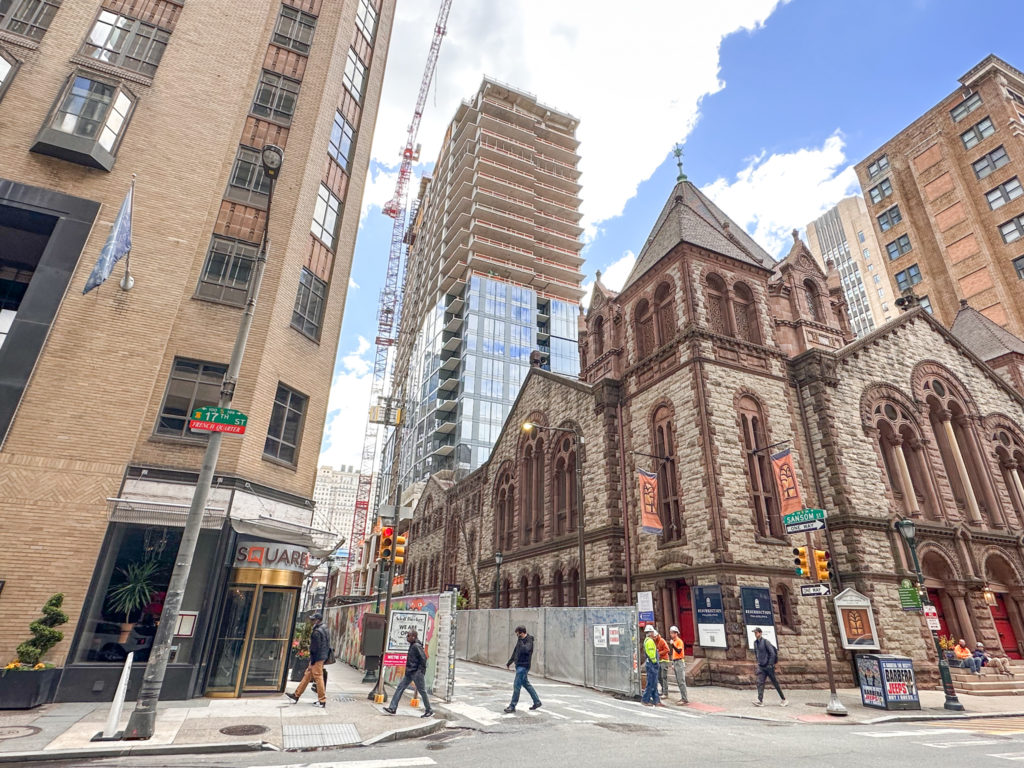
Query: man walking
(651, 697)
(415, 669)
(522, 655)
(319, 648)
(679, 662)
(767, 656)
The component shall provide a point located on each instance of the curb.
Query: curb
(132, 751)
(918, 718)
(414, 732)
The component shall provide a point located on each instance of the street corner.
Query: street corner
(425, 727)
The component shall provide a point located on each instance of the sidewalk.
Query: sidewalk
(62, 731)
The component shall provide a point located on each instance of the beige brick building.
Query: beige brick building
(97, 462)
(947, 203)
(711, 358)
(844, 236)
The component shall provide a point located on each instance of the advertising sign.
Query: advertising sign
(856, 621)
(645, 606)
(898, 675)
(785, 478)
(600, 635)
(869, 671)
(707, 604)
(647, 484)
(887, 682)
(400, 624)
(256, 553)
(757, 612)
(910, 598)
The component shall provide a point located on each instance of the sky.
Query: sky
(774, 102)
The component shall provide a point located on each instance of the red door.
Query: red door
(685, 615)
(933, 595)
(1006, 636)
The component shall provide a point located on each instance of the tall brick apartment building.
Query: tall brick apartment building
(711, 357)
(947, 203)
(97, 463)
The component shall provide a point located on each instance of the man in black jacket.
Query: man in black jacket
(415, 669)
(319, 649)
(767, 656)
(522, 655)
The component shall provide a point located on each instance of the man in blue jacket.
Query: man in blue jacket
(415, 669)
(767, 656)
(319, 649)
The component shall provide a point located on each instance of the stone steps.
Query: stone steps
(989, 683)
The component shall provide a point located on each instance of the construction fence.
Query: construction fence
(593, 647)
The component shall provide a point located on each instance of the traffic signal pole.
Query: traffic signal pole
(835, 706)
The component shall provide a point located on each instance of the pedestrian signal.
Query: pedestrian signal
(800, 561)
(399, 557)
(387, 543)
(823, 564)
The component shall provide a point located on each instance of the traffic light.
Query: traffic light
(823, 564)
(399, 557)
(386, 547)
(800, 561)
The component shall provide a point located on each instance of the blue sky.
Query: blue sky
(774, 102)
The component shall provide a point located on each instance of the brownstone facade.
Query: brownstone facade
(711, 358)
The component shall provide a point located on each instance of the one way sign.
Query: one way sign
(815, 590)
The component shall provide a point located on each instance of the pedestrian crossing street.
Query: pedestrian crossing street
(961, 734)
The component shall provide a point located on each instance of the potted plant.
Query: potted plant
(947, 644)
(28, 681)
(300, 650)
(133, 591)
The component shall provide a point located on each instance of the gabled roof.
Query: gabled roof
(600, 294)
(800, 257)
(985, 338)
(689, 216)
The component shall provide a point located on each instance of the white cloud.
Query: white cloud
(612, 277)
(633, 104)
(775, 194)
(379, 189)
(352, 284)
(346, 407)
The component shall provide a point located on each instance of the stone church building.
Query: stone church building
(711, 353)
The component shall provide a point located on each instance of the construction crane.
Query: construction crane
(383, 411)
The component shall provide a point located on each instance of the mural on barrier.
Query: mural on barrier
(345, 624)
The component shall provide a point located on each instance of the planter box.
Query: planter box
(25, 690)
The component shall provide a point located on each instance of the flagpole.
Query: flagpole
(128, 282)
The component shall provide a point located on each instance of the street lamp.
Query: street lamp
(142, 722)
(907, 530)
(528, 426)
(498, 557)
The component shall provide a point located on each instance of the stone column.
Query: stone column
(905, 480)
(730, 313)
(988, 490)
(964, 615)
(972, 503)
(1014, 469)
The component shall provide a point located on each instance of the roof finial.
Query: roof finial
(796, 235)
(678, 152)
(963, 303)
(598, 275)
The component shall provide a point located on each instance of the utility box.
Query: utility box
(372, 641)
(887, 682)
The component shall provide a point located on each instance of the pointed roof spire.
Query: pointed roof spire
(678, 152)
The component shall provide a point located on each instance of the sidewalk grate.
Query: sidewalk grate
(341, 697)
(324, 735)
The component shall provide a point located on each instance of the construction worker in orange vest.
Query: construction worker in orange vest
(678, 648)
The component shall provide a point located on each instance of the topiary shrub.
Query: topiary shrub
(44, 636)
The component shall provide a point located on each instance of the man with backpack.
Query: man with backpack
(767, 657)
(415, 669)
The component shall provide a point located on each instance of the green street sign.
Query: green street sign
(910, 598)
(804, 516)
(215, 415)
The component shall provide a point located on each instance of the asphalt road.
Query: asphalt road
(578, 727)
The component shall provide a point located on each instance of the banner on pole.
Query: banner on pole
(785, 478)
(650, 521)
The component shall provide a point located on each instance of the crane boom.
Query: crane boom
(389, 308)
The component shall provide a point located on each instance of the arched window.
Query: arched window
(563, 490)
(784, 602)
(527, 496)
(718, 316)
(573, 598)
(906, 466)
(1010, 451)
(558, 598)
(535, 590)
(745, 312)
(524, 592)
(506, 593)
(668, 486)
(533, 489)
(504, 531)
(665, 312)
(811, 297)
(597, 333)
(645, 340)
(754, 438)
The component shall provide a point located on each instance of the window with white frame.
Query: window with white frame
(994, 160)
(325, 217)
(890, 218)
(342, 138)
(1004, 193)
(977, 133)
(880, 191)
(366, 19)
(125, 42)
(1012, 230)
(8, 66)
(28, 18)
(94, 109)
(898, 247)
(881, 165)
(965, 107)
(355, 75)
(1014, 96)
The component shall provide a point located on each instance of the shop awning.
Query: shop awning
(147, 512)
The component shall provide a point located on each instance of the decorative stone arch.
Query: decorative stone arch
(745, 310)
(926, 370)
(1006, 573)
(812, 290)
(716, 302)
(932, 552)
(998, 420)
(666, 311)
(875, 393)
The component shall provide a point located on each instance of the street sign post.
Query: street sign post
(805, 521)
(815, 590)
(213, 419)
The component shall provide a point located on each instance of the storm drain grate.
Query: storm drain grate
(244, 730)
(322, 735)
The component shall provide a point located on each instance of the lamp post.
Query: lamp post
(907, 530)
(581, 600)
(498, 557)
(142, 722)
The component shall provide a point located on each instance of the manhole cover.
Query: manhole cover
(244, 730)
(17, 731)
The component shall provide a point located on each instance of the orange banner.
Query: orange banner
(650, 521)
(785, 477)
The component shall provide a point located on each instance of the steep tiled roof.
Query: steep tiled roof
(689, 216)
(986, 339)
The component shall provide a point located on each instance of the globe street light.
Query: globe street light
(528, 426)
(908, 530)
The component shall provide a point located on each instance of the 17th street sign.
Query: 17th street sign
(213, 419)
(805, 520)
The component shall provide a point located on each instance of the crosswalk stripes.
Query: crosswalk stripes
(959, 743)
(991, 725)
(1017, 756)
(394, 762)
(904, 734)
